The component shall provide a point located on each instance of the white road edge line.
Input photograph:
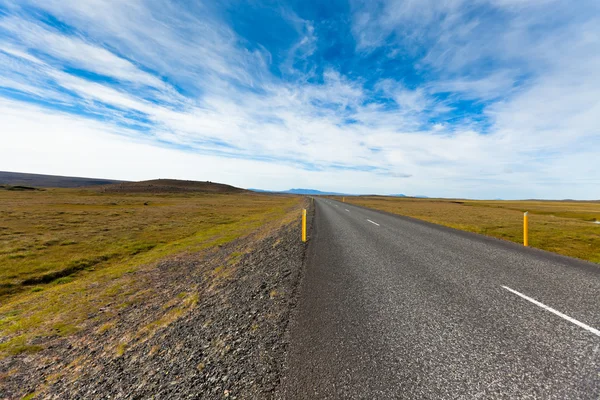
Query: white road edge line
(552, 310)
(374, 223)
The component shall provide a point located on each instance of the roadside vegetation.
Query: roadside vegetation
(69, 256)
(570, 228)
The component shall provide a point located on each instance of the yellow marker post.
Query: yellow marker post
(525, 229)
(304, 225)
(343, 199)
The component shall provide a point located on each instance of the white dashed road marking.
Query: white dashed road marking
(552, 310)
(374, 223)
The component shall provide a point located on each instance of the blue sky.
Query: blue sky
(453, 98)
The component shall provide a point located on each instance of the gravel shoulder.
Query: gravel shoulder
(216, 329)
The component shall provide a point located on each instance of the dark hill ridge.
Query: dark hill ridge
(23, 181)
(47, 181)
(170, 186)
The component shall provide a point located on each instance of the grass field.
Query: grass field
(564, 227)
(66, 253)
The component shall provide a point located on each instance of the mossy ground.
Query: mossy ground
(67, 253)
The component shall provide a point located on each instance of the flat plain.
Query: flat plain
(569, 228)
(66, 254)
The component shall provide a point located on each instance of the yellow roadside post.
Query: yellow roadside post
(525, 230)
(304, 225)
(343, 199)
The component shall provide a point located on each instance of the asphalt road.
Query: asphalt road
(391, 307)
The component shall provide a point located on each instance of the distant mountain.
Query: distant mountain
(302, 192)
(48, 181)
(261, 191)
(312, 191)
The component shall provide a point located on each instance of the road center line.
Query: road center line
(552, 310)
(346, 209)
(374, 223)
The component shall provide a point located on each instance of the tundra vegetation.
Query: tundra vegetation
(68, 254)
(570, 228)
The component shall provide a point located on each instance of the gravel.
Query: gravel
(231, 344)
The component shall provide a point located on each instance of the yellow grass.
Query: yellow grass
(65, 253)
(564, 227)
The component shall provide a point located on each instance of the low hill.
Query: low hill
(23, 181)
(16, 179)
(170, 186)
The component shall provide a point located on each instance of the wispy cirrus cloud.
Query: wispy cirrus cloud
(479, 99)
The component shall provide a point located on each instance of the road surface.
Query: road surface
(391, 307)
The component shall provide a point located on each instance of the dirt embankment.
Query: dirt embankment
(216, 329)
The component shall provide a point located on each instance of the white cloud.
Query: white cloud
(73, 51)
(239, 124)
(496, 85)
(181, 40)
